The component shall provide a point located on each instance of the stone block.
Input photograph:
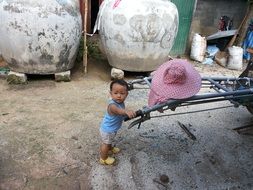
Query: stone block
(16, 78)
(62, 76)
(117, 73)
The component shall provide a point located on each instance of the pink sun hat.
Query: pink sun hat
(175, 79)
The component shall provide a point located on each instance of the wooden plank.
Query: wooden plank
(231, 42)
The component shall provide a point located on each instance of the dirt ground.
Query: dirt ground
(49, 139)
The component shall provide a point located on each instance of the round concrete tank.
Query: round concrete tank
(137, 35)
(40, 37)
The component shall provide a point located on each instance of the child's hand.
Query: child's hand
(130, 113)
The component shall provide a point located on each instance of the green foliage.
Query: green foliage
(13, 79)
(93, 50)
(79, 57)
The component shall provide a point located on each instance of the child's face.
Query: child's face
(119, 93)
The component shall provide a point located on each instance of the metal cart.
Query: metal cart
(238, 91)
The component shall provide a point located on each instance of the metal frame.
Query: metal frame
(239, 91)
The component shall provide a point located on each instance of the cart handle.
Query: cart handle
(138, 114)
(137, 121)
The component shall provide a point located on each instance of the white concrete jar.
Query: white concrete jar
(40, 37)
(137, 35)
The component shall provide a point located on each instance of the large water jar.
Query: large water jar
(137, 35)
(39, 37)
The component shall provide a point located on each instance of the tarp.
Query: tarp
(248, 43)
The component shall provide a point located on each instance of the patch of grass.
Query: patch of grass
(93, 50)
(14, 79)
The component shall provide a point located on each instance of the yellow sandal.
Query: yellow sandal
(107, 161)
(115, 150)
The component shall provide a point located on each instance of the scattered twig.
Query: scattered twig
(186, 130)
(143, 140)
(157, 181)
(148, 136)
(243, 127)
(245, 130)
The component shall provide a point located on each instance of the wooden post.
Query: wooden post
(85, 61)
(231, 42)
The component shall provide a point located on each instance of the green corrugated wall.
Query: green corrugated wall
(185, 10)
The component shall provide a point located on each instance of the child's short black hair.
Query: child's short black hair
(120, 82)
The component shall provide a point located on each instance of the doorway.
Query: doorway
(94, 11)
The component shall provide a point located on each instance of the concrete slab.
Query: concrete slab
(16, 78)
(62, 76)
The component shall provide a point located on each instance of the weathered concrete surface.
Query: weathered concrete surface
(49, 139)
(137, 35)
(40, 37)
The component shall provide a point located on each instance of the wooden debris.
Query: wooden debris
(159, 182)
(186, 130)
(164, 178)
(221, 58)
(245, 130)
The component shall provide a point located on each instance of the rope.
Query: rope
(191, 112)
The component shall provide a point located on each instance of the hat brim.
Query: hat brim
(161, 91)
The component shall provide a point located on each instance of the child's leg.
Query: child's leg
(104, 149)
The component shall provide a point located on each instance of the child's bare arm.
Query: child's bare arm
(113, 109)
(130, 113)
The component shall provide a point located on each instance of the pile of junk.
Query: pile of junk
(219, 47)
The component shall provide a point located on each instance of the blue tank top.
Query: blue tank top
(112, 123)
